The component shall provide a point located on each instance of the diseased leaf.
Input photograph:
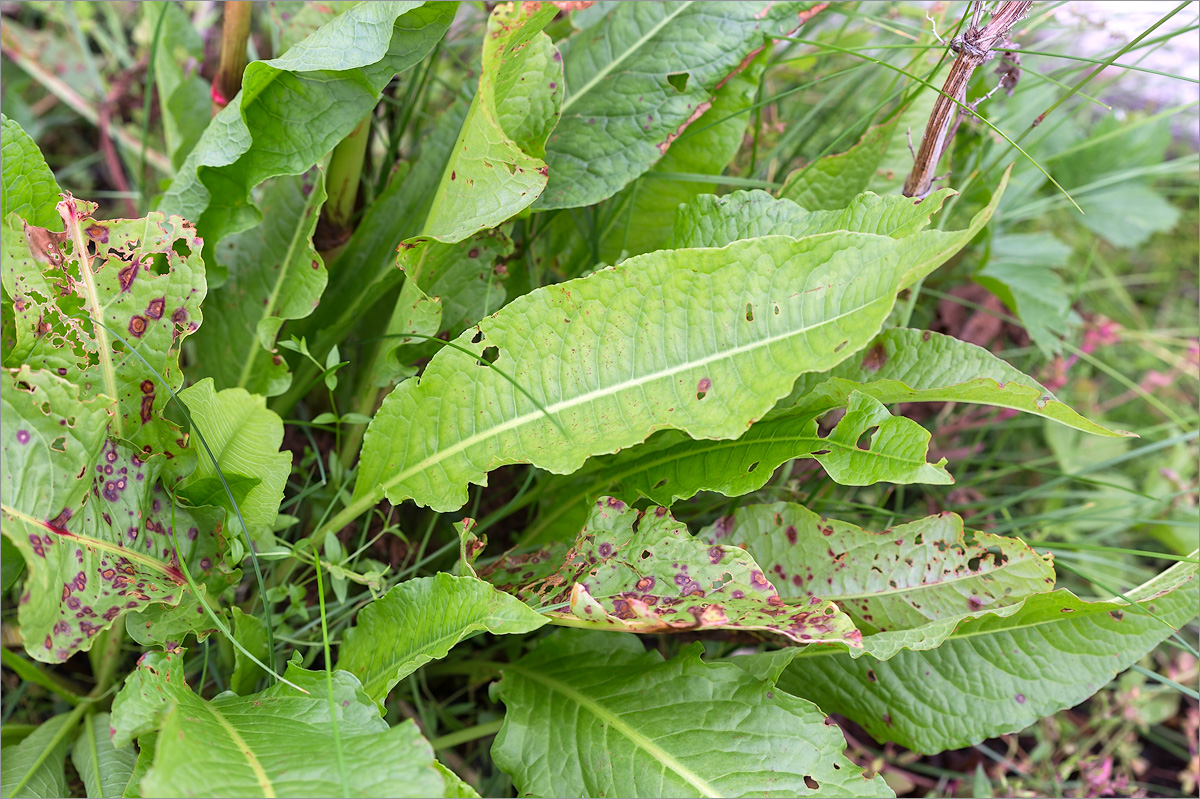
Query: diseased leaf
(104, 768)
(998, 674)
(140, 277)
(278, 742)
(647, 574)
(608, 359)
(275, 274)
(33, 767)
(891, 582)
(496, 169)
(682, 727)
(28, 188)
(294, 109)
(107, 553)
(244, 437)
(638, 76)
(421, 620)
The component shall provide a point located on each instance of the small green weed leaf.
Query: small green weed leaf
(244, 437)
(832, 182)
(107, 554)
(35, 767)
(1127, 215)
(292, 110)
(642, 214)
(659, 578)
(273, 743)
(421, 620)
(275, 274)
(1021, 272)
(251, 633)
(104, 768)
(184, 98)
(903, 365)
(609, 359)
(623, 109)
(998, 674)
(496, 169)
(899, 579)
(28, 188)
(147, 745)
(683, 727)
(140, 277)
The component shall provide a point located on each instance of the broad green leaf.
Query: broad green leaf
(930, 570)
(297, 19)
(832, 182)
(1127, 215)
(1021, 272)
(275, 275)
(244, 437)
(140, 277)
(104, 768)
(294, 109)
(703, 341)
(421, 620)
(28, 186)
(278, 742)
(903, 365)
(12, 565)
(638, 76)
(592, 714)
(998, 674)
(184, 98)
(869, 445)
(108, 553)
(496, 169)
(455, 787)
(35, 766)
(146, 745)
(631, 572)
(643, 213)
(252, 634)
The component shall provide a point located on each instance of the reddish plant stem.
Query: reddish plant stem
(235, 32)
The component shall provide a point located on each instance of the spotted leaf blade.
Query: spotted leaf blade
(704, 341)
(658, 578)
(999, 673)
(905, 587)
(683, 727)
(421, 620)
(278, 742)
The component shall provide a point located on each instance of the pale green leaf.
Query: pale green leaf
(1127, 214)
(647, 574)
(146, 745)
(104, 768)
(28, 186)
(421, 620)
(1021, 272)
(35, 766)
(832, 182)
(997, 674)
(278, 742)
(275, 274)
(595, 714)
(244, 437)
(623, 110)
(294, 109)
(608, 359)
(496, 170)
(184, 97)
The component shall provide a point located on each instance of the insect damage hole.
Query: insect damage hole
(489, 355)
(749, 312)
(678, 81)
(811, 783)
(864, 441)
(703, 387)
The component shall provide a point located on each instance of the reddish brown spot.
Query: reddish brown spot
(156, 307)
(715, 554)
(875, 358)
(180, 316)
(703, 387)
(97, 233)
(125, 276)
(137, 326)
(791, 533)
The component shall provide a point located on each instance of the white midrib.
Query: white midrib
(616, 722)
(616, 62)
(617, 388)
(103, 348)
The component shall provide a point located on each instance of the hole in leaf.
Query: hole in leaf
(181, 248)
(645, 554)
(864, 441)
(841, 346)
(158, 263)
(777, 309)
(753, 466)
(811, 783)
(973, 563)
(749, 312)
(678, 81)
(661, 483)
(489, 354)
(478, 337)
(871, 675)
(59, 444)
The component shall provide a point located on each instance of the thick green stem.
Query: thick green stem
(341, 183)
(453, 739)
(234, 35)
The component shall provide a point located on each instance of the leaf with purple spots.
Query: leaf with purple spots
(906, 587)
(108, 553)
(143, 278)
(645, 573)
